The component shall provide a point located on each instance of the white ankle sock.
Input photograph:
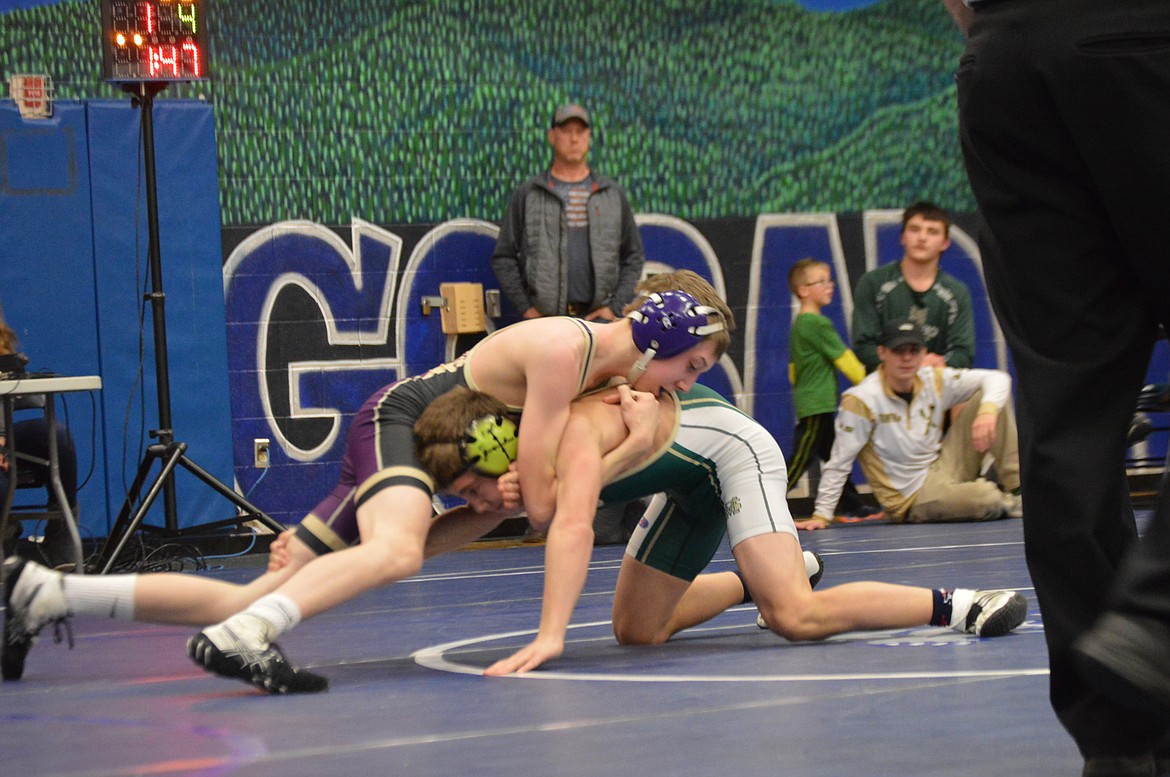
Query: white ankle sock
(265, 620)
(109, 596)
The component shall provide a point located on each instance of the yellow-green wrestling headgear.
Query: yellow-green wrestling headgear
(489, 445)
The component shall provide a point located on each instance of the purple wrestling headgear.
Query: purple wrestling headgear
(667, 324)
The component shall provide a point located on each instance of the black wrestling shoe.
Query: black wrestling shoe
(1124, 657)
(33, 598)
(266, 668)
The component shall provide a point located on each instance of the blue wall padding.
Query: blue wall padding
(73, 274)
(46, 270)
(189, 232)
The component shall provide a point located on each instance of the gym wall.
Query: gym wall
(364, 152)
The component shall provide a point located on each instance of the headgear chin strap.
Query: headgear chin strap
(667, 324)
(489, 445)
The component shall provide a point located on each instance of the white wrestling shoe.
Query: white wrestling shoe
(994, 613)
(33, 597)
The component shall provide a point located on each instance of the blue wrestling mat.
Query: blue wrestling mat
(724, 698)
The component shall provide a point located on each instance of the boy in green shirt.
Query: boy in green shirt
(815, 353)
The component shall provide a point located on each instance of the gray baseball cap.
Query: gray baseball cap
(570, 111)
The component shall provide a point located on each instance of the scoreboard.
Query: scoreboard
(154, 40)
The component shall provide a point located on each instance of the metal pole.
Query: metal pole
(165, 433)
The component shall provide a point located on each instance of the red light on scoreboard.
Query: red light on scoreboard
(153, 40)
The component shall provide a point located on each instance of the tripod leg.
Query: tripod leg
(131, 499)
(173, 453)
(243, 504)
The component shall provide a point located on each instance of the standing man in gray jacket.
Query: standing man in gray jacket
(568, 244)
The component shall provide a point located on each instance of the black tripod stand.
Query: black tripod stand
(167, 451)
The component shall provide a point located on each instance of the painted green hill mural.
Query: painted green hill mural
(404, 112)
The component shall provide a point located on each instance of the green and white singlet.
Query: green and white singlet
(719, 472)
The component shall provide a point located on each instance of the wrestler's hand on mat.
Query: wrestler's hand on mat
(508, 485)
(814, 523)
(527, 658)
(278, 554)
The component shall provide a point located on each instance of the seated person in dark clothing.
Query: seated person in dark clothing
(31, 438)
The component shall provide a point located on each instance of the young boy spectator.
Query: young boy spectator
(815, 353)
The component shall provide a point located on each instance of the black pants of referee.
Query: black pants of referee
(1065, 123)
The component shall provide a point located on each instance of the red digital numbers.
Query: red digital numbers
(173, 61)
(153, 40)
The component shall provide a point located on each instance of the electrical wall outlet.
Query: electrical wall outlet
(260, 451)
